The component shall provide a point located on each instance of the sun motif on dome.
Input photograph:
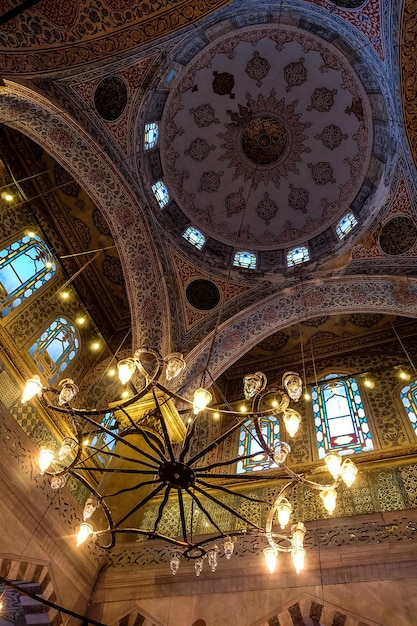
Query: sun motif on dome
(264, 140)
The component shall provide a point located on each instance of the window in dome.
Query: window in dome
(195, 237)
(339, 417)
(55, 348)
(25, 266)
(249, 444)
(245, 259)
(408, 396)
(150, 139)
(161, 193)
(346, 224)
(296, 256)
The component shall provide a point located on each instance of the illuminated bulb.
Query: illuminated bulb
(333, 462)
(216, 416)
(348, 472)
(58, 481)
(174, 563)
(298, 556)
(48, 265)
(403, 375)
(31, 234)
(274, 403)
(64, 295)
(84, 532)
(284, 509)
(125, 394)
(281, 451)
(1, 604)
(368, 383)
(270, 555)
(68, 392)
(212, 558)
(293, 385)
(111, 372)
(90, 506)
(7, 196)
(243, 409)
(80, 320)
(329, 499)
(190, 420)
(126, 368)
(86, 442)
(298, 532)
(202, 398)
(292, 421)
(45, 459)
(32, 388)
(307, 396)
(228, 545)
(95, 345)
(66, 447)
(198, 566)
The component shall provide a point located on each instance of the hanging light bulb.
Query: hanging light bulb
(329, 497)
(68, 392)
(292, 421)
(174, 563)
(284, 510)
(281, 451)
(229, 545)
(84, 532)
(198, 566)
(270, 555)
(66, 446)
(298, 532)
(90, 506)
(212, 558)
(293, 385)
(32, 388)
(175, 364)
(348, 472)
(126, 368)
(58, 481)
(46, 457)
(298, 556)
(333, 462)
(202, 398)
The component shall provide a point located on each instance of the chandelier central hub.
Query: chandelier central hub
(176, 474)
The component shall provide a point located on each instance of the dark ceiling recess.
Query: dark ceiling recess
(203, 294)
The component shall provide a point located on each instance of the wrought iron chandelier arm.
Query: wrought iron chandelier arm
(182, 515)
(164, 427)
(229, 462)
(114, 470)
(216, 442)
(187, 441)
(233, 476)
(147, 437)
(227, 508)
(230, 492)
(161, 508)
(132, 488)
(144, 533)
(140, 504)
(123, 457)
(202, 507)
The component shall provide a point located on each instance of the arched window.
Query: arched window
(55, 348)
(249, 444)
(408, 396)
(104, 442)
(339, 417)
(25, 266)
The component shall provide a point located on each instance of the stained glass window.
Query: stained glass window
(195, 237)
(150, 139)
(408, 397)
(105, 442)
(25, 266)
(249, 444)
(245, 259)
(346, 224)
(161, 193)
(339, 417)
(297, 256)
(55, 348)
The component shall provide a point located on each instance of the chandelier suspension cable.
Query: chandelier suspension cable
(403, 347)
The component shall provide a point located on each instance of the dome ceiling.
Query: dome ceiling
(267, 138)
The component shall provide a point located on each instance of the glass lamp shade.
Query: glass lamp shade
(281, 451)
(212, 558)
(90, 506)
(329, 497)
(298, 557)
(292, 421)
(270, 559)
(198, 566)
(293, 385)
(298, 532)
(333, 462)
(174, 563)
(284, 510)
(46, 457)
(175, 364)
(32, 388)
(66, 447)
(68, 392)
(126, 368)
(202, 398)
(84, 532)
(58, 481)
(348, 472)
(228, 545)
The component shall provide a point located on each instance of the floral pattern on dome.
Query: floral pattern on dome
(266, 208)
(331, 136)
(257, 68)
(295, 74)
(322, 99)
(199, 149)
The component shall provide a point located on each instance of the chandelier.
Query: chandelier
(156, 458)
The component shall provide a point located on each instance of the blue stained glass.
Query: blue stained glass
(346, 224)
(104, 442)
(195, 237)
(408, 396)
(245, 259)
(150, 139)
(161, 193)
(25, 266)
(55, 348)
(339, 417)
(297, 256)
(249, 444)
